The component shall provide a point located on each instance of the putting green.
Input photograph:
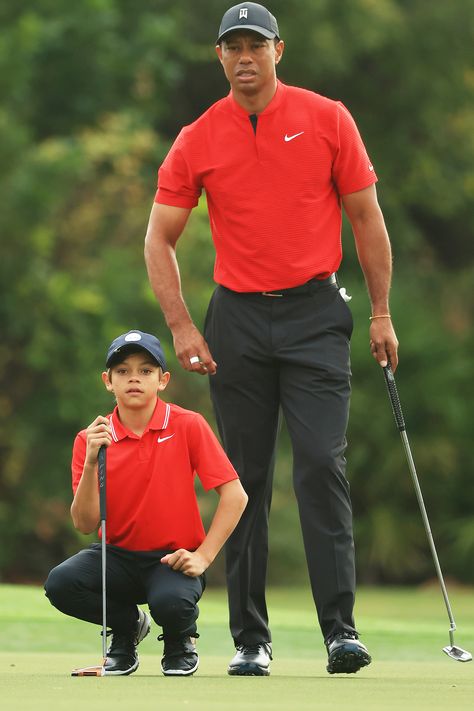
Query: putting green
(404, 629)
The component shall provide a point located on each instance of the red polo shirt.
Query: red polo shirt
(273, 195)
(151, 502)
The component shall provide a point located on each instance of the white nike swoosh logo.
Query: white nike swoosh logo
(295, 135)
(163, 439)
(371, 167)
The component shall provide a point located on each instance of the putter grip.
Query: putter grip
(394, 399)
(102, 490)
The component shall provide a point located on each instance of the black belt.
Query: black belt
(308, 288)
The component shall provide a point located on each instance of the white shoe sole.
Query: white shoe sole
(123, 673)
(180, 672)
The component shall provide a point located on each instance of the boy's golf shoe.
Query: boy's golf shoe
(180, 657)
(122, 655)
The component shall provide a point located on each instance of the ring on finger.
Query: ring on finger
(194, 359)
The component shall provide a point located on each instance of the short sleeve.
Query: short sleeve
(208, 459)
(352, 168)
(177, 185)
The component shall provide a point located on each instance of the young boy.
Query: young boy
(157, 549)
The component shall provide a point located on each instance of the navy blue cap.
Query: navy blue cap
(249, 16)
(134, 340)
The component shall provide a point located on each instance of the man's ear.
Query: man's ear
(219, 52)
(279, 49)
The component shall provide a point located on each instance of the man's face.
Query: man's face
(249, 61)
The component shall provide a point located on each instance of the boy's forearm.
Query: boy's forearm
(85, 511)
(232, 503)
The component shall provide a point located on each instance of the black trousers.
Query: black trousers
(289, 352)
(133, 578)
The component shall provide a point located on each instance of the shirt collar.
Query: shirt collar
(158, 421)
(270, 108)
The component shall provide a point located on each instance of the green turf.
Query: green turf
(404, 629)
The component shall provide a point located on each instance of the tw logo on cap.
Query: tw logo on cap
(243, 13)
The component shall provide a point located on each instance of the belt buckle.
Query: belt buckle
(269, 293)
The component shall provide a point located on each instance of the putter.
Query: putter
(460, 655)
(100, 670)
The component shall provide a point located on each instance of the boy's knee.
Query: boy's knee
(169, 609)
(56, 585)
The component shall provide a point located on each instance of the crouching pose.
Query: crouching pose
(157, 549)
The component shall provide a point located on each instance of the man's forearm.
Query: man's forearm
(164, 229)
(375, 258)
(163, 273)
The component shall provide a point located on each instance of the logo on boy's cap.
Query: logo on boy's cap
(249, 16)
(135, 339)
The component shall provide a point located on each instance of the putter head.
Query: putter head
(89, 671)
(460, 655)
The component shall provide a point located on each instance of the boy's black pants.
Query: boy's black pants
(289, 352)
(133, 578)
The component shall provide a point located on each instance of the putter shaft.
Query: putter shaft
(424, 515)
(452, 651)
(103, 530)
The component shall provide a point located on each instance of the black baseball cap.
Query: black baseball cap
(249, 16)
(133, 341)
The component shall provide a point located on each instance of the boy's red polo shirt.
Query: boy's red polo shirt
(273, 195)
(151, 501)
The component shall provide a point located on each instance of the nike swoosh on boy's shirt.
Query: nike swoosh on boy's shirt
(163, 439)
(295, 135)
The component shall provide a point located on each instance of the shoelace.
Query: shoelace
(343, 635)
(347, 635)
(255, 648)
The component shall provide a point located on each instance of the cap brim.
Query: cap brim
(120, 352)
(259, 30)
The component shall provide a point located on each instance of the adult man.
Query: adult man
(276, 162)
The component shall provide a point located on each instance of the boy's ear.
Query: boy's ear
(106, 381)
(164, 380)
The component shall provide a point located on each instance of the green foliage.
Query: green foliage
(93, 92)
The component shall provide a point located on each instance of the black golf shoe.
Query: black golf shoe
(122, 655)
(179, 656)
(346, 654)
(251, 660)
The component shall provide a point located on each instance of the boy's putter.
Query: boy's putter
(100, 670)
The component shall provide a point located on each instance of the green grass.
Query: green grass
(404, 629)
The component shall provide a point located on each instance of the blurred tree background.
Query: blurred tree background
(92, 94)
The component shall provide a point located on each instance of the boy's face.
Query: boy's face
(136, 380)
